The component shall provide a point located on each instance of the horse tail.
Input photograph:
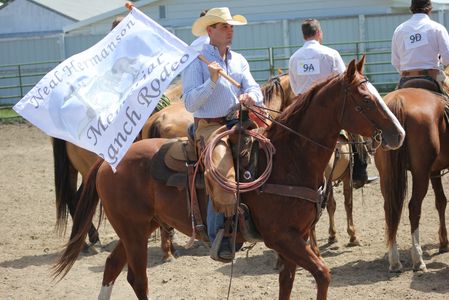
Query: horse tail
(81, 223)
(65, 183)
(395, 182)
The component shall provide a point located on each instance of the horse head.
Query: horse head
(277, 93)
(373, 117)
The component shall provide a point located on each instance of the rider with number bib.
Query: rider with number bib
(419, 46)
(313, 63)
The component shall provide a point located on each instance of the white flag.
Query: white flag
(100, 98)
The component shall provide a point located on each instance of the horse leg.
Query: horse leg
(286, 277)
(168, 250)
(350, 228)
(441, 203)
(331, 207)
(313, 243)
(419, 190)
(136, 252)
(301, 255)
(114, 265)
(393, 258)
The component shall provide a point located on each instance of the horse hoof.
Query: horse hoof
(332, 240)
(168, 259)
(395, 269)
(354, 243)
(443, 249)
(421, 268)
(89, 250)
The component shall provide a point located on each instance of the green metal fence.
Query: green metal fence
(17, 80)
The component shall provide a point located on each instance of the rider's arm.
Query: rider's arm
(395, 52)
(249, 85)
(339, 65)
(196, 85)
(443, 46)
(293, 75)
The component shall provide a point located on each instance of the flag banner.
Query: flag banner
(99, 99)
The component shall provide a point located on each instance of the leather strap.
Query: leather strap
(293, 191)
(220, 120)
(200, 229)
(425, 72)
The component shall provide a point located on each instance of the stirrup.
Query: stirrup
(215, 248)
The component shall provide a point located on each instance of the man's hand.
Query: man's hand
(247, 100)
(214, 69)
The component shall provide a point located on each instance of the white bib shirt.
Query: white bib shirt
(418, 42)
(311, 64)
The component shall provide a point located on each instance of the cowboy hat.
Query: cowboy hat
(213, 16)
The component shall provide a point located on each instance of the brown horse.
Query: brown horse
(277, 95)
(135, 202)
(172, 121)
(425, 152)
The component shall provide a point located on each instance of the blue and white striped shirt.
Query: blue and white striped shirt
(208, 99)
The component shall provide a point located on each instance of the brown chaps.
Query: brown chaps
(223, 201)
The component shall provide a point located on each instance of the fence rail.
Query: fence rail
(16, 80)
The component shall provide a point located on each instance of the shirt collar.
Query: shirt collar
(212, 50)
(420, 16)
(311, 42)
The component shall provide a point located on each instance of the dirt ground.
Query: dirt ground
(29, 246)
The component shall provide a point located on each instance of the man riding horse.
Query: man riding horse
(420, 46)
(314, 63)
(211, 98)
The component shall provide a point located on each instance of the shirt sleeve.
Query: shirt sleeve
(249, 85)
(293, 76)
(196, 91)
(443, 45)
(339, 64)
(395, 52)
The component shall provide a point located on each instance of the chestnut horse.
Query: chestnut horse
(135, 203)
(425, 153)
(170, 122)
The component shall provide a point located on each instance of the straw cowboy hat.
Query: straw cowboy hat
(213, 16)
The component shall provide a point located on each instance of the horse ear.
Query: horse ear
(350, 71)
(360, 64)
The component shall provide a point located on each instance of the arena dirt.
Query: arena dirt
(29, 246)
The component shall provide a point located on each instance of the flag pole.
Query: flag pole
(129, 5)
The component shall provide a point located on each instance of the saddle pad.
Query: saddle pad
(161, 172)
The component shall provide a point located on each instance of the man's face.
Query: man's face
(220, 34)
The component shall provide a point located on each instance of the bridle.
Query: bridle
(376, 137)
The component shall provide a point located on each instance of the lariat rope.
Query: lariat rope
(231, 186)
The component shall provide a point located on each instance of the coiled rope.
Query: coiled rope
(231, 186)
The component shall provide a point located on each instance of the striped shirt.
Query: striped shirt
(208, 99)
(418, 42)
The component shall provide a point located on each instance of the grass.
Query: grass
(8, 115)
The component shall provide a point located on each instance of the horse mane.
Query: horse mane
(294, 113)
(272, 86)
